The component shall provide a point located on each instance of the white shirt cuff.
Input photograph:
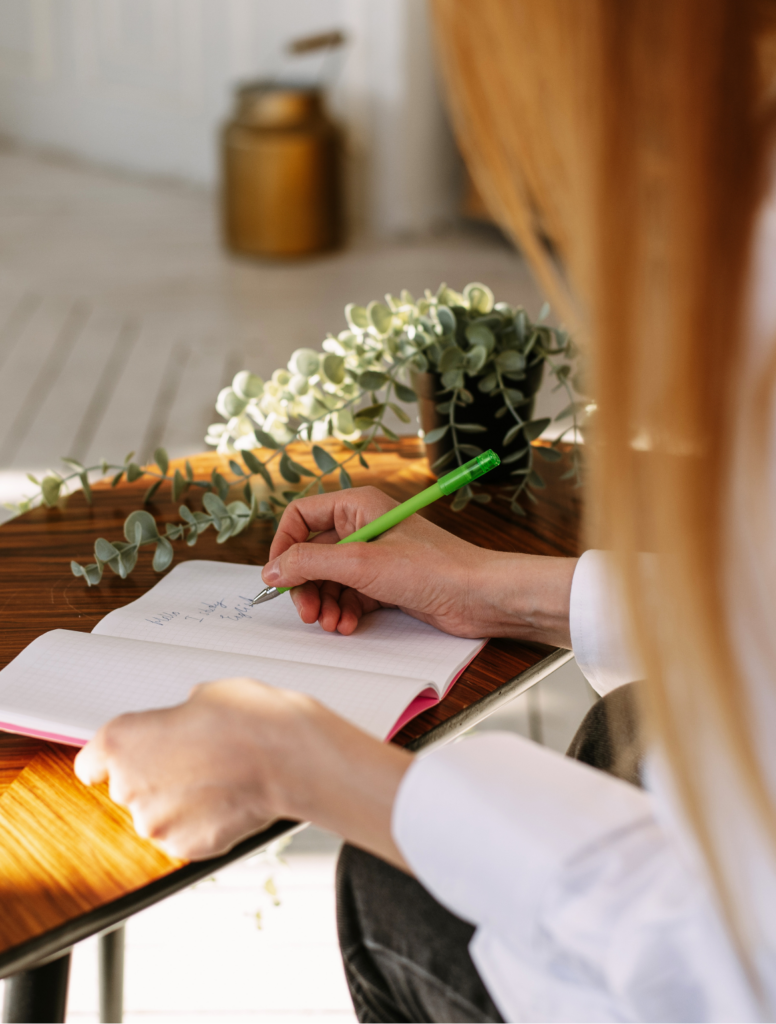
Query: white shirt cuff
(486, 825)
(599, 627)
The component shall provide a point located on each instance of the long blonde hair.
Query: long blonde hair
(634, 134)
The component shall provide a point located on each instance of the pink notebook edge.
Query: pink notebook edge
(428, 698)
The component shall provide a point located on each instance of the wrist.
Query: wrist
(525, 597)
(345, 780)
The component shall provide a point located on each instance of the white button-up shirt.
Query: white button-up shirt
(586, 903)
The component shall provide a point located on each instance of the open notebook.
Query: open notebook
(197, 624)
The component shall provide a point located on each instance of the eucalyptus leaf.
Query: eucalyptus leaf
(380, 317)
(117, 479)
(471, 428)
(344, 478)
(84, 478)
(549, 454)
(162, 460)
(73, 462)
(533, 429)
(178, 485)
(403, 393)
(265, 440)
(215, 505)
(50, 488)
(514, 456)
(534, 479)
(446, 318)
(163, 555)
(443, 460)
(151, 491)
(145, 522)
(479, 334)
(189, 471)
(323, 460)
(399, 412)
(286, 471)
(452, 358)
(511, 434)
(134, 472)
(251, 461)
(104, 551)
(372, 380)
(510, 359)
(436, 435)
(91, 573)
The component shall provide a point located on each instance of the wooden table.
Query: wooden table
(71, 864)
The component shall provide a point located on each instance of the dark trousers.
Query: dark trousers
(406, 957)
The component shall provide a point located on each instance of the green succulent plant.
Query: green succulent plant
(346, 391)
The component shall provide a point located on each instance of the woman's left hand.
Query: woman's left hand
(199, 777)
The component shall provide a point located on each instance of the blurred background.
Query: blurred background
(123, 313)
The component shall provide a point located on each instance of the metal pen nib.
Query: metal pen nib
(266, 595)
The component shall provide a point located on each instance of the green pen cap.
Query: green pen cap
(468, 471)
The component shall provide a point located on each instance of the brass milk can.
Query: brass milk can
(281, 172)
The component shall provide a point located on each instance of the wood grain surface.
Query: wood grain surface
(66, 849)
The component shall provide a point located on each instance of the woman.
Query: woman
(635, 134)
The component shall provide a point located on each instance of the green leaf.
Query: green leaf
(476, 358)
(104, 551)
(481, 498)
(356, 316)
(117, 478)
(189, 471)
(487, 383)
(134, 472)
(215, 506)
(128, 458)
(452, 379)
(470, 449)
(152, 491)
(178, 485)
(380, 317)
(479, 334)
(266, 477)
(510, 360)
(286, 471)
(372, 380)
(534, 479)
(174, 531)
(334, 368)
(399, 412)
(371, 412)
(247, 385)
(518, 509)
(323, 459)
(403, 393)
(162, 460)
(470, 428)
(344, 478)
(140, 519)
(163, 555)
(571, 408)
(221, 485)
(91, 573)
(265, 440)
(511, 434)
(446, 318)
(363, 461)
(84, 478)
(73, 462)
(549, 454)
(436, 435)
(247, 492)
(50, 488)
(513, 456)
(544, 312)
(452, 358)
(251, 461)
(236, 468)
(389, 433)
(33, 479)
(479, 297)
(535, 427)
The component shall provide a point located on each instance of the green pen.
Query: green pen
(445, 485)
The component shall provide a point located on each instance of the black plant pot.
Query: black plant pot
(430, 392)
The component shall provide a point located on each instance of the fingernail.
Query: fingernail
(271, 572)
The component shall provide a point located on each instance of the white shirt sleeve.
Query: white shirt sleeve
(584, 908)
(599, 631)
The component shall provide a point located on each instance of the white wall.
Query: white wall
(144, 84)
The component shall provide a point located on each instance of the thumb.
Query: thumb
(356, 565)
(91, 763)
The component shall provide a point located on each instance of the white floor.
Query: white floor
(120, 320)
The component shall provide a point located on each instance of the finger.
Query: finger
(307, 601)
(351, 610)
(91, 763)
(353, 565)
(341, 511)
(329, 616)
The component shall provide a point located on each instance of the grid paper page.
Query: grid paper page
(72, 683)
(207, 605)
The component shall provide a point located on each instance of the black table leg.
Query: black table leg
(39, 995)
(112, 976)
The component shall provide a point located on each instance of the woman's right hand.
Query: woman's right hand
(416, 566)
